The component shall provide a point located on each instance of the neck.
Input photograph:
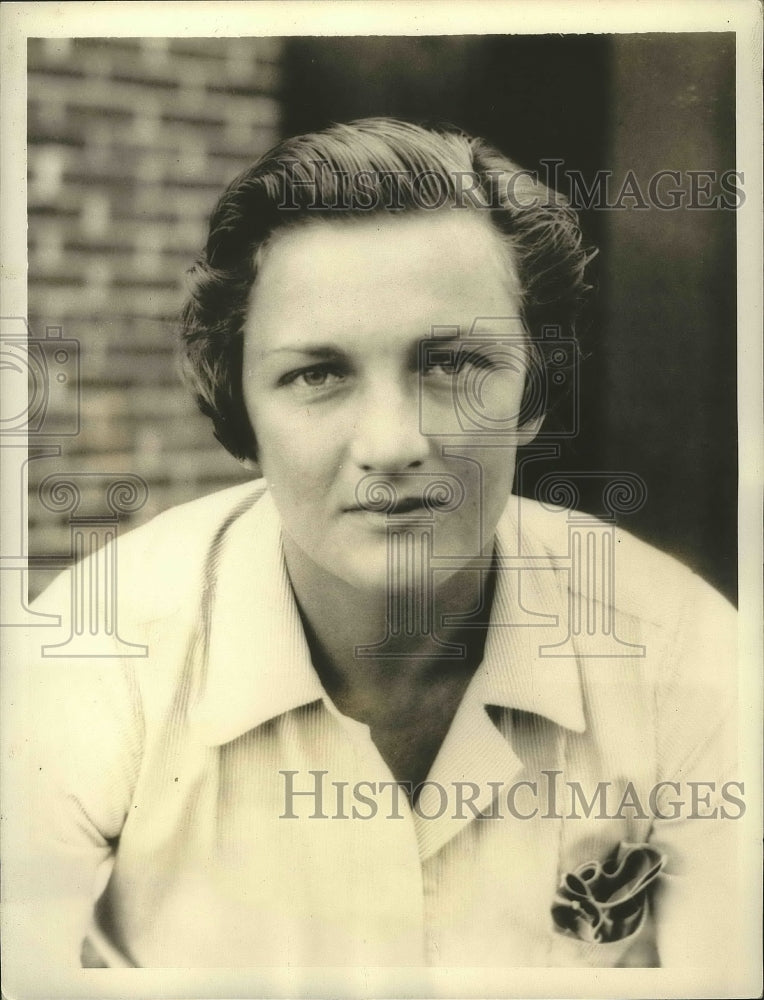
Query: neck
(360, 652)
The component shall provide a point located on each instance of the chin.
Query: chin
(370, 577)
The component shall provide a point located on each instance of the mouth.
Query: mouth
(398, 507)
(406, 505)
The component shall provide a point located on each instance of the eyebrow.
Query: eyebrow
(319, 351)
(329, 351)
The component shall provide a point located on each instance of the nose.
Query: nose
(387, 436)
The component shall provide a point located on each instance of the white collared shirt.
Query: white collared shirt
(244, 821)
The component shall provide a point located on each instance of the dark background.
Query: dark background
(658, 373)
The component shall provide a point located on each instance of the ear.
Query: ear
(528, 431)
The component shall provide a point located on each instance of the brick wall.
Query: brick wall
(130, 142)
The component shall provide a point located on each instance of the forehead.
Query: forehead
(407, 272)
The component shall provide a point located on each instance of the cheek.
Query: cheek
(299, 463)
(497, 475)
(480, 401)
(501, 395)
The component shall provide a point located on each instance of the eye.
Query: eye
(450, 361)
(315, 377)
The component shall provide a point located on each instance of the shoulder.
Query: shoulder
(160, 565)
(685, 633)
(648, 585)
(186, 532)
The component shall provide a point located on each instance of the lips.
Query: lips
(399, 506)
(406, 505)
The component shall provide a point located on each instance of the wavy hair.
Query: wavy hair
(375, 165)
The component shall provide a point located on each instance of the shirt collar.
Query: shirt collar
(256, 659)
(529, 608)
(256, 663)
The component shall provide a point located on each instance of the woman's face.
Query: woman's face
(362, 359)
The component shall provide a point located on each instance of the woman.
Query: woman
(367, 731)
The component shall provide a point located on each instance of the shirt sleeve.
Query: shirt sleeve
(81, 754)
(701, 822)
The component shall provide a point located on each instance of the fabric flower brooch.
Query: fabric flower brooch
(603, 902)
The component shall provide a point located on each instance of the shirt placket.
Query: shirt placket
(392, 837)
